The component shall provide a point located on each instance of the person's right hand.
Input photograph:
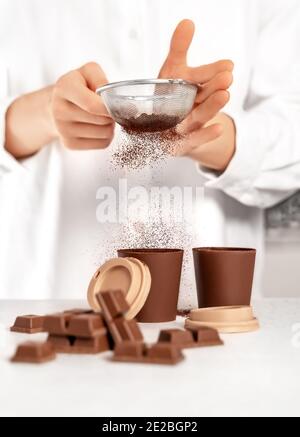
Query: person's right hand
(80, 116)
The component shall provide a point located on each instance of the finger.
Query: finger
(198, 138)
(205, 111)
(205, 73)
(221, 81)
(73, 87)
(84, 130)
(93, 75)
(66, 111)
(86, 144)
(180, 44)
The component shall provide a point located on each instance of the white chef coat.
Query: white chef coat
(50, 240)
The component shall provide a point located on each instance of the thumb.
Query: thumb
(181, 42)
(93, 75)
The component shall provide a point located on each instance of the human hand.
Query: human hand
(215, 154)
(80, 116)
(214, 80)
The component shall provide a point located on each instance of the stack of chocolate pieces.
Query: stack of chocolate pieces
(77, 332)
(128, 340)
(114, 308)
(87, 332)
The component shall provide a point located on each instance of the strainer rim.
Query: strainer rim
(112, 85)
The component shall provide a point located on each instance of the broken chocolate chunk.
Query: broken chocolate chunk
(125, 330)
(30, 324)
(86, 325)
(130, 349)
(34, 353)
(114, 307)
(177, 337)
(57, 324)
(74, 345)
(204, 337)
(188, 338)
(160, 353)
(113, 304)
(77, 324)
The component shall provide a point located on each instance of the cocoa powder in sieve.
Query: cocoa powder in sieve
(150, 123)
(146, 140)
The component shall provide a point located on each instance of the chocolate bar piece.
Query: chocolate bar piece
(86, 325)
(57, 324)
(78, 311)
(204, 337)
(177, 337)
(34, 353)
(113, 304)
(60, 343)
(190, 338)
(125, 330)
(130, 349)
(73, 345)
(77, 324)
(30, 324)
(160, 353)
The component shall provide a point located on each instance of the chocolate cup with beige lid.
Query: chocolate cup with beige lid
(233, 319)
(165, 266)
(224, 276)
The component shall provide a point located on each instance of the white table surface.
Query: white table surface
(255, 374)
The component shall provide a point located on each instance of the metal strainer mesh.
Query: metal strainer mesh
(149, 105)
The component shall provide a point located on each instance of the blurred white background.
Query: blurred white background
(283, 249)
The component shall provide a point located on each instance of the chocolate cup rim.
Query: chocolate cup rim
(151, 251)
(224, 250)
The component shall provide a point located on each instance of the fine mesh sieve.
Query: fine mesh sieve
(149, 105)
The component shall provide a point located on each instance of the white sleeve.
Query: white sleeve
(266, 166)
(7, 162)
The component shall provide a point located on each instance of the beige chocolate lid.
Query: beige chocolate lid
(232, 319)
(225, 328)
(126, 274)
(231, 314)
(145, 285)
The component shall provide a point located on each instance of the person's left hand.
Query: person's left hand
(214, 80)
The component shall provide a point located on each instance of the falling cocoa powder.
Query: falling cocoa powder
(183, 313)
(144, 142)
(147, 140)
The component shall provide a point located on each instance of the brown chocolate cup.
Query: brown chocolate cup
(224, 276)
(165, 267)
